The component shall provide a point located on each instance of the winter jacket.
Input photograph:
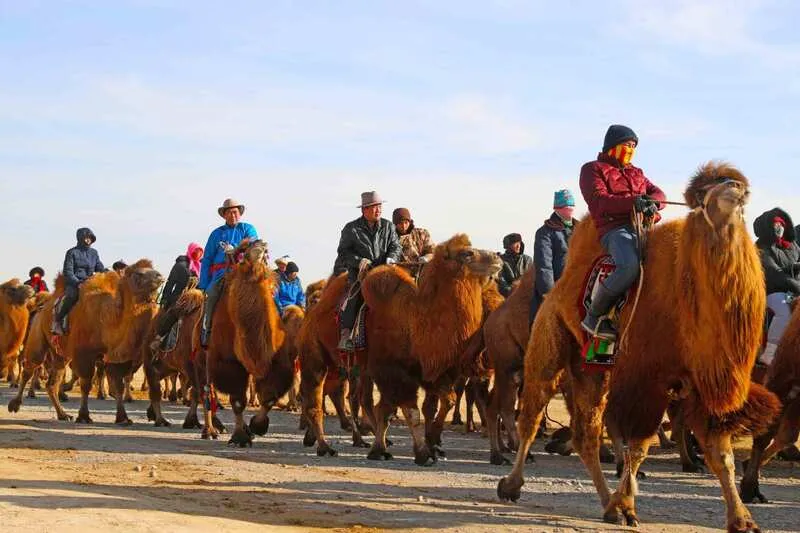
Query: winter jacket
(290, 292)
(610, 190)
(213, 265)
(359, 241)
(550, 252)
(781, 265)
(38, 286)
(415, 244)
(514, 265)
(176, 282)
(81, 261)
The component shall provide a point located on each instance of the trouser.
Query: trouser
(213, 293)
(347, 319)
(166, 320)
(69, 300)
(778, 303)
(623, 245)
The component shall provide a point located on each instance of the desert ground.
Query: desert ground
(59, 476)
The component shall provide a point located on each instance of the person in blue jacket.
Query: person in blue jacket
(80, 263)
(290, 289)
(214, 265)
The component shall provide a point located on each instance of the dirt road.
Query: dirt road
(57, 476)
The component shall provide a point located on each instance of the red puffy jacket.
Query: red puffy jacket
(610, 190)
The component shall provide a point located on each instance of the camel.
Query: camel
(783, 378)
(694, 336)
(14, 316)
(248, 338)
(109, 321)
(419, 334)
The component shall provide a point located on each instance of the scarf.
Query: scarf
(622, 153)
(779, 240)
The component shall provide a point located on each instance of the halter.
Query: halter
(703, 207)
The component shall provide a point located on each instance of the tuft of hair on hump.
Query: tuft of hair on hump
(706, 175)
(459, 241)
(141, 263)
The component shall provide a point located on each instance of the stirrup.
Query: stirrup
(596, 333)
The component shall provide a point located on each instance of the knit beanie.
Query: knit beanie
(617, 134)
(292, 267)
(563, 198)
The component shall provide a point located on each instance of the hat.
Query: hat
(511, 238)
(291, 266)
(370, 198)
(284, 259)
(400, 214)
(36, 270)
(618, 134)
(563, 198)
(229, 203)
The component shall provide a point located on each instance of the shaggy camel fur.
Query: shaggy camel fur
(321, 369)
(109, 321)
(420, 335)
(160, 365)
(695, 336)
(14, 317)
(783, 379)
(248, 338)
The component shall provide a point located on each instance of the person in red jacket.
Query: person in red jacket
(614, 189)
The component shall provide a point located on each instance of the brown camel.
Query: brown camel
(110, 321)
(694, 336)
(248, 338)
(419, 336)
(14, 316)
(783, 378)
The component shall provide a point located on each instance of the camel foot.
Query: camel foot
(640, 474)
(360, 443)
(13, 385)
(162, 423)
(326, 449)
(438, 451)
(607, 455)
(457, 420)
(694, 468)
(83, 417)
(471, 428)
(101, 396)
(309, 438)
(128, 399)
(241, 438)
(530, 459)
(559, 447)
(14, 404)
(498, 459)
(173, 396)
(62, 397)
(507, 491)
(218, 425)
(191, 422)
(64, 417)
(743, 525)
(65, 387)
(504, 448)
(31, 394)
(790, 453)
(365, 429)
(123, 420)
(424, 457)
(259, 425)
(751, 493)
(346, 425)
(379, 455)
(209, 433)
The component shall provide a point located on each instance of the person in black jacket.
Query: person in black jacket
(366, 242)
(80, 263)
(515, 263)
(550, 247)
(780, 259)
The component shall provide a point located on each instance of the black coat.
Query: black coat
(359, 241)
(81, 261)
(176, 282)
(781, 265)
(550, 253)
(514, 265)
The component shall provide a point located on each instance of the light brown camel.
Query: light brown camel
(419, 336)
(783, 378)
(14, 315)
(110, 321)
(694, 335)
(248, 338)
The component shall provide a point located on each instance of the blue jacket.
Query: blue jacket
(550, 253)
(81, 261)
(212, 266)
(290, 292)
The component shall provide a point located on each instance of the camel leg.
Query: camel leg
(269, 390)
(493, 423)
(241, 435)
(127, 379)
(100, 376)
(382, 412)
(86, 388)
(337, 399)
(357, 383)
(765, 447)
(460, 388)
(191, 421)
(173, 388)
(469, 395)
(423, 455)
(622, 506)
(481, 391)
(145, 384)
(311, 390)
(16, 402)
(366, 424)
(55, 378)
(202, 361)
(154, 392)
(35, 384)
(116, 373)
(681, 433)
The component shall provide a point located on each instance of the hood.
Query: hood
(192, 247)
(512, 238)
(762, 226)
(182, 259)
(82, 233)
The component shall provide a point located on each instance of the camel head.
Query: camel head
(15, 293)
(720, 191)
(256, 252)
(457, 253)
(142, 280)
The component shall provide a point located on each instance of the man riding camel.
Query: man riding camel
(365, 243)
(613, 189)
(515, 263)
(222, 240)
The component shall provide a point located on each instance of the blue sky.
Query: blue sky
(138, 117)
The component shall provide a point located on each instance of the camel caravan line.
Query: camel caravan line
(690, 332)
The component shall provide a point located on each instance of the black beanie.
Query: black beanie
(616, 134)
(291, 267)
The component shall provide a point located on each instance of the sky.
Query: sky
(138, 117)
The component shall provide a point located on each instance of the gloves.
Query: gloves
(646, 205)
(390, 261)
(364, 264)
(423, 259)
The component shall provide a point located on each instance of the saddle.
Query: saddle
(599, 355)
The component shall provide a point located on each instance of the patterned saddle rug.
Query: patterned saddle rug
(360, 329)
(599, 354)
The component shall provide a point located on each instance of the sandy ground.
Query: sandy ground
(58, 476)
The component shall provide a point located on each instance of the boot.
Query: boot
(596, 323)
(57, 326)
(345, 341)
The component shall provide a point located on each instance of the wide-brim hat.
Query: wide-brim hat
(370, 198)
(229, 203)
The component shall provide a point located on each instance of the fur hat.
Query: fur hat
(370, 198)
(563, 198)
(36, 270)
(618, 134)
(283, 260)
(400, 214)
(511, 238)
(291, 266)
(227, 204)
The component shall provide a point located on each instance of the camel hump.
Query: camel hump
(189, 301)
(382, 284)
(293, 312)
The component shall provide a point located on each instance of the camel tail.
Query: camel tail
(754, 417)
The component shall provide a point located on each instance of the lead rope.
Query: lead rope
(641, 234)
